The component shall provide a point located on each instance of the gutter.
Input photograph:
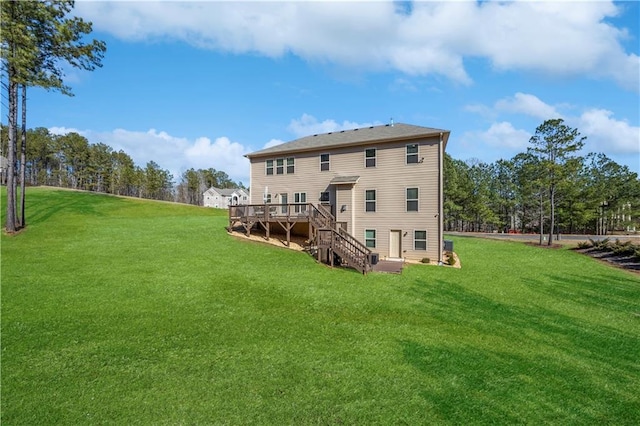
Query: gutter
(441, 200)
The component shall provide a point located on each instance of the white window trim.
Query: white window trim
(406, 199)
(375, 158)
(286, 165)
(328, 162)
(300, 205)
(375, 201)
(406, 153)
(426, 239)
(375, 237)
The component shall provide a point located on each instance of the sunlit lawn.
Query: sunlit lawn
(120, 311)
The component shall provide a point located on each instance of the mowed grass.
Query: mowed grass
(121, 311)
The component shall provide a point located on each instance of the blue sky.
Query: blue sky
(199, 84)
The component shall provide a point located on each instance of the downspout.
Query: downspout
(441, 200)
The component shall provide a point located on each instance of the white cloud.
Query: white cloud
(523, 103)
(554, 38)
(273, 142)
(501, 135)
(172, 153)
(309, 125)
(606, 134)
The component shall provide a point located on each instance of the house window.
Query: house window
(370, 157)
(290, 165)
(324, 162)
(412, 153)
(269, 167)
(324, 197)
(412, 199)
(300, 199)
(280, 166)
(420, 240)
(267, 198)
(370, 238)
(370, 200)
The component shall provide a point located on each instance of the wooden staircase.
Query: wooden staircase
(334, 244)
(327, 242)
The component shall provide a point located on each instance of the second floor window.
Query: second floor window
(324, 162)
(269, 167)
(412, 199)
(290, 165)
(370, 200)
(412, 153)
(370, 157)
(280, 166)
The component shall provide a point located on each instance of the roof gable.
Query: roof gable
(361, 136)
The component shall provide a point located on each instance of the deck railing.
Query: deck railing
(352, 251)
(265, 212)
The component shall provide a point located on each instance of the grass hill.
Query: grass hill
(123, 311)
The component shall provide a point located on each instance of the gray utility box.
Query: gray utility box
(448, 245)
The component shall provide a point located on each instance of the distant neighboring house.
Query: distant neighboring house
(379, 185)
(223, 198)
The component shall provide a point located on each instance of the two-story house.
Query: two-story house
(383, 184)
(223, 198)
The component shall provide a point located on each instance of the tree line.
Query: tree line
(70, 161)
(548, 189)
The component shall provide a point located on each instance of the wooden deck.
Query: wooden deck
(326, 240)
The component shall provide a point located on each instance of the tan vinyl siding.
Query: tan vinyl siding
(390, 178)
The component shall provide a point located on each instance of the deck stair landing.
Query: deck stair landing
(327, 242)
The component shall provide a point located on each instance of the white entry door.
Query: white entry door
(395, 243)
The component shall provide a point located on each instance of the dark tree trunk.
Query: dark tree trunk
(23, 157)
(11, 159)
(552, 194)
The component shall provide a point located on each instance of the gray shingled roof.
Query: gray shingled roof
(227, 192)
(361, 136)
(344, 180)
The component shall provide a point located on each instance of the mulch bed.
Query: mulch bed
(628, 262)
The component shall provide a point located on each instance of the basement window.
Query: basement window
(420, 240)
(370, 238)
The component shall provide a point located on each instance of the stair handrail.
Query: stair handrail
(321, 217)
(348, 247)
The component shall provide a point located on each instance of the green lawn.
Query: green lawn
(120, 311)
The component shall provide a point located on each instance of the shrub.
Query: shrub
(622, 249)
(585, 244)
(602, 244)
(425, 260)
(451, 260)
